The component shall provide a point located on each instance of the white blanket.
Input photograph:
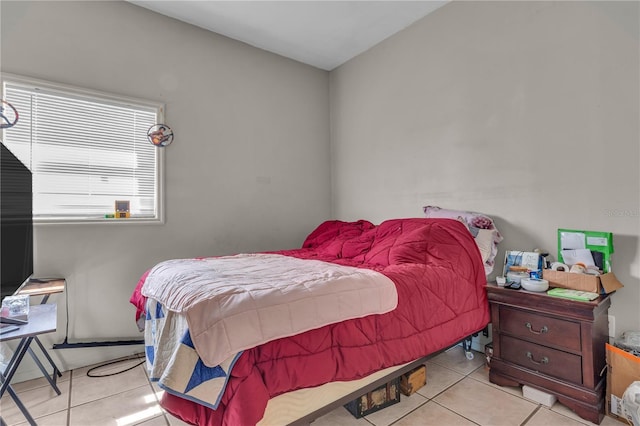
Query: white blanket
(237, 302)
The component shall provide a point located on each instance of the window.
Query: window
(86, 150)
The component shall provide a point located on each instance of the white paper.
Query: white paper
(530, 260)
(571, 257)
(572, 241)
(597, 241)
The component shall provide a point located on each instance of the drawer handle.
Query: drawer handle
(543, 330)
(544, 359)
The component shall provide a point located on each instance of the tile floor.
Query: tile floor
(458, 392)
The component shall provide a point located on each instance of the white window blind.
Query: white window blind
(85, 150)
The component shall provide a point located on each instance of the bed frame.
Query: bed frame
(303, 406)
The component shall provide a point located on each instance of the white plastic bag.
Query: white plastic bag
(630, 342)
(631, 403)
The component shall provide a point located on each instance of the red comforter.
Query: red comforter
(440, 280)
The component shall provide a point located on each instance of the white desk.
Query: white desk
(42, 319)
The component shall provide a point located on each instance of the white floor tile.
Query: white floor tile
(439, 378)
(455, 359)
(484, 404)
(433, 414)
(458, 392)
(39, 401)
(394, 412)
(126, 408)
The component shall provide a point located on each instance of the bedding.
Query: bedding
(481, 226)
(438, 275)
(237, 302)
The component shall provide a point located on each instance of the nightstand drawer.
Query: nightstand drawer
(540, 328)
(545, 360)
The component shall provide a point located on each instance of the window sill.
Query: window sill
(99, 221)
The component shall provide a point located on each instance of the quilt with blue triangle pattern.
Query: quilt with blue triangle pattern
(173, 362)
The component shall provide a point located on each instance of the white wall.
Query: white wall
(527, 111)
(248, 169)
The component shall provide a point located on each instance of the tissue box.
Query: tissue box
(602, 284)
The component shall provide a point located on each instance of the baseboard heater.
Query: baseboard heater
(67, 345)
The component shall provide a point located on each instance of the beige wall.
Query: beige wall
(248, 169)
(527, 111)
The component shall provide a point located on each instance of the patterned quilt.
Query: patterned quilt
(173, 362)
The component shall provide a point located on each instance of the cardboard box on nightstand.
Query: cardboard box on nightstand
(602, 284)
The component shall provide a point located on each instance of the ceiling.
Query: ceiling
(324, 34)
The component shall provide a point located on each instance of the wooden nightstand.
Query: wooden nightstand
(552, 344)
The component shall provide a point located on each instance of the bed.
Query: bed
(437, 275)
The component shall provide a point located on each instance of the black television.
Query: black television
(16, 217)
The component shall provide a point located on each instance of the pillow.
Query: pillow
(481, 226)
(484, 241)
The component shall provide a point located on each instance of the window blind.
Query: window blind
(85, 152)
